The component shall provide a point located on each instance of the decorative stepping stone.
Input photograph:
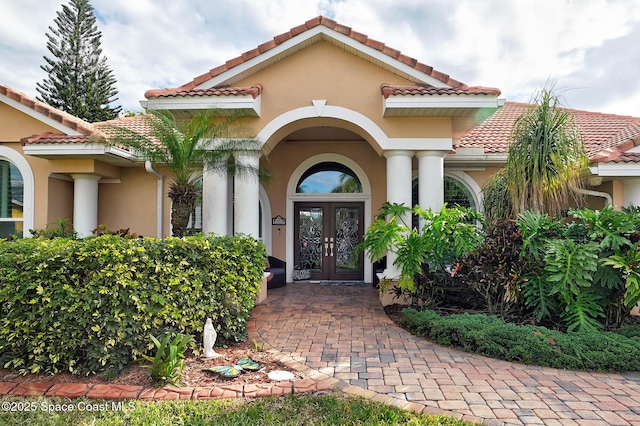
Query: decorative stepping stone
(226, 371)
(248, 364)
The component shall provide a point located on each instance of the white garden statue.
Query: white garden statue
(209, 337)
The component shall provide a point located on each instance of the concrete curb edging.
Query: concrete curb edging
(122, 392)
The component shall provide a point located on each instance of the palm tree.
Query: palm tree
(547, 160)
(186, 147)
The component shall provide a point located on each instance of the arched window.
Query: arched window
(329, 178)
(456, 193)
(11, 200)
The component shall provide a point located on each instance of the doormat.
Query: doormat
(340, 283)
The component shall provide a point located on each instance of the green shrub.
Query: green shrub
(490, 336)
(90, 305)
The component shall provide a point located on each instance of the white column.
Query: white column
(247, 197)
(85, 204)
(631, 192)
(431, 179)
(399, 177)
(215, 200)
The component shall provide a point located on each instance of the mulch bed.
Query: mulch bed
(193, 374)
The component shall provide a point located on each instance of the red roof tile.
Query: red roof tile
(102, 130)
(281, 38)
(389, 90)
(53, 138)
(48, 111)
(606, 136)
(254, 91)
(137, 123)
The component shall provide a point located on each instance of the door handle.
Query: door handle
(328, 246)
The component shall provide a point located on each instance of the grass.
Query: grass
(330, 409)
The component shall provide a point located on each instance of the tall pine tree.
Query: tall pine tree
(79, 80)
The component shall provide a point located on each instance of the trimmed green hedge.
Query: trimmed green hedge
(90, 305)
(528, 344)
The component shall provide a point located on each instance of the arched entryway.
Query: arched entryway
(329, 199)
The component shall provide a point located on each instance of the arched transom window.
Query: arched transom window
(329, 178)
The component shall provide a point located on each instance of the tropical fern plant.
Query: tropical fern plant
(186, 147)
(444, 237)
(570, 268)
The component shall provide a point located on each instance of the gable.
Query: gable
(309, 33)
(29, 111)
(15, 124)
(322, 71)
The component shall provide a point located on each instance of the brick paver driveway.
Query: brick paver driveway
(343, 333)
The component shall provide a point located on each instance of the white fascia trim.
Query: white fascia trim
(320, 31)
(440, 101)
(616, 169)
(78, 149)
(418, 144)
(40, 117)
(476, 159)
(243, 102)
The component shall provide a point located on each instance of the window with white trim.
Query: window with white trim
(11, 200)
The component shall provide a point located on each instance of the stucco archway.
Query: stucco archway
(311, 116)
(317, 115)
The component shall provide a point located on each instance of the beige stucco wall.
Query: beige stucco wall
(132, 203)
(15, 125)
(325, 72)
(60, 200)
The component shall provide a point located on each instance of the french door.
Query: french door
(326, 236)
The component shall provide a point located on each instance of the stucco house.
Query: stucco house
(349, 124)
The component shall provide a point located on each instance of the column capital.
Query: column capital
(431, 153)
(85, 176)
(398, 153)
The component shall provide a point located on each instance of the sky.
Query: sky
(589, 50)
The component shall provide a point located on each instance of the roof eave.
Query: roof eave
(466, 157)
(437, 105)
(59, 151)
(246, 104)
(616, 169)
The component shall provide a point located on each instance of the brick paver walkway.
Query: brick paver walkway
(343, 335)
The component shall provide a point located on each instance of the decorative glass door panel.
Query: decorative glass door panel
(310, 229)
(326, 236)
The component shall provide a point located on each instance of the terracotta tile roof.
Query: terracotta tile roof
(254, 91)
(101, 131)
(53, 138)
(312, 23)
(606, 136)
(48, 111)
(389, 90)
(137, 123)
